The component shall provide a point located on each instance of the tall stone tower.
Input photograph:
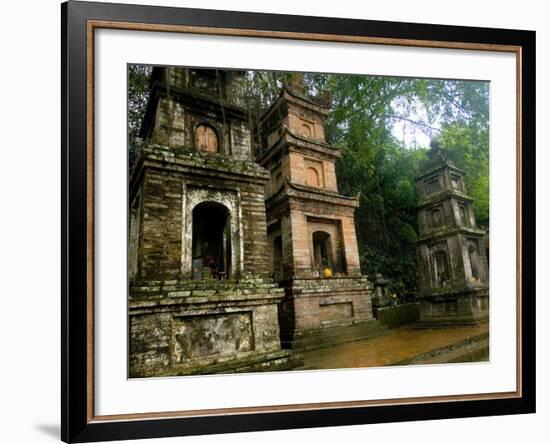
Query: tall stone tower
(201, 296)
(311, 229)
(452, 263)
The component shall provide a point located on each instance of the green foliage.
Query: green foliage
(138, 94)
(468, 148)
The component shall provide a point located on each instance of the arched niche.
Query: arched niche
(441, 271)
(217, 207)
(436, 218)
(475, 266)
(305, 130)
(206, 138)
(322, 250)
(313, 177)
(464, 217)
(211, 241)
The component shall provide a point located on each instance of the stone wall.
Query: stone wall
(255, 229)
(298, 117)
(483, 265)
(159, 251)
(297, 170)
(150, 342)
(456, 246)
(175, 123)
(467, 306)
(450, 215)
(315, 304)
(178, 327)
(231, 81)
(399, 315)
(240, 141)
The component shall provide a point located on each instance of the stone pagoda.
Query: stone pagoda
(310, 226)
(452, 261)
(201, 296)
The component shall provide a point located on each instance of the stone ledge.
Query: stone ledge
(434, 168)
(336, 284)
(220, 298)
(196, 305)
(187, 157)
(247, 362)
(297, 192)
(450, 353)
(443, 195)
(450, 231)
(171, 293)
(481, 291)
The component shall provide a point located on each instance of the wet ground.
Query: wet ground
(400, 344)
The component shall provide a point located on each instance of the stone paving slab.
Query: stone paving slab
(400, 344)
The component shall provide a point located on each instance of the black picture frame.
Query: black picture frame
(77, 425)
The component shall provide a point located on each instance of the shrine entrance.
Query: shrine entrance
(440, 269)
(211, 244)
(322, 251)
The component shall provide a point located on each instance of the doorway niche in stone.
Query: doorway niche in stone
(211, 234)
(322, 250)
(440, 268)
(211, 242)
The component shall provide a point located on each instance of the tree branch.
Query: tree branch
(414, 122)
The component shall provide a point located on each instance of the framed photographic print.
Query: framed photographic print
(277, 221)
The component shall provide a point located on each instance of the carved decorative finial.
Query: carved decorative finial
(435, 149)
(325, 99)
(297, 82)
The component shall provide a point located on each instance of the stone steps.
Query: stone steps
(475, 348)
(449, 322)
(473, 353)
(255, 362)
(337, 335)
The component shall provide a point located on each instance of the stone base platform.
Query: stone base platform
(317, 312)
(454, 308)
(204, 327)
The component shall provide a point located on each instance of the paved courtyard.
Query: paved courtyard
(400, 344)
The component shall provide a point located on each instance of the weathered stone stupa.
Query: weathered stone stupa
(201, 296)
(311, 228)
(452, 261)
